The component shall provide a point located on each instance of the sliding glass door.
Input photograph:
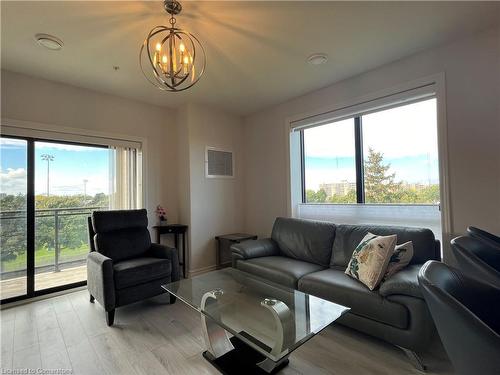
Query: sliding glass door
(71, 181)
(13, 217)
(47, 192)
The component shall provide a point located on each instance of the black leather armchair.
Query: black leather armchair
(483, 235)
(466, 313)
(123, 265)
(477, 258)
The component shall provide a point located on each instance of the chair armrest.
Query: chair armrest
(254, 249)
(100, 282)
(404, 282)
(167, 252)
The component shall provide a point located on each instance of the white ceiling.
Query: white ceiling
(256, 51)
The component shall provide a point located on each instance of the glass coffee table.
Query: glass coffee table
(251, 325)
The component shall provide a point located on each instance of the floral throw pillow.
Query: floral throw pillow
(399, 259)
(370, 258)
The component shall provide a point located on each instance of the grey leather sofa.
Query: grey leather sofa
(312, 256)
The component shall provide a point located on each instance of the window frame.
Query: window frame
(359, 157)
(337, 104)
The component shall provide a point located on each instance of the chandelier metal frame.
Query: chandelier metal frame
(172, 78)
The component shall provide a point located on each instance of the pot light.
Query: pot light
(49, 41)
(317, 59)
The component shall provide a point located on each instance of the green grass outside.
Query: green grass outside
(45, 257)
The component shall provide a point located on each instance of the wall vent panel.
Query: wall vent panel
(218, 163)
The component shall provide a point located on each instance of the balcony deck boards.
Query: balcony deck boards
(17, 286)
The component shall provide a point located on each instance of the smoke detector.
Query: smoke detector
(317, 59)
(49, 41)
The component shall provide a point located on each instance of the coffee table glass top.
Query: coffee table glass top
(271, 318)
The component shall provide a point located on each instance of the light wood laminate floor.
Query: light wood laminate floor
(153, 337)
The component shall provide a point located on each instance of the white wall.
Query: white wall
(175, 146)
(472, 74)
(183, 175)
(38, 100)
(212, 206)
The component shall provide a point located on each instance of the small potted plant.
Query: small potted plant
(162, 215)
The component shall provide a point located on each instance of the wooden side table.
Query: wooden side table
(224, 243)
(177, 230)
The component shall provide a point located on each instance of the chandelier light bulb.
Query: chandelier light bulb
(172, 59)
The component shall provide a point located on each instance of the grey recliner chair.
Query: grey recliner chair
(465, 312)
(477, 258)
(123, 265)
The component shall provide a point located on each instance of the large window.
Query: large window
(389, 156)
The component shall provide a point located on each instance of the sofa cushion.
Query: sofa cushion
(347, 237)
(307, 240)
(336, 286)
(140, 270)
(404, 282)
(282, 270)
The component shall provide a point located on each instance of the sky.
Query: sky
(406, 135)
(70, 167)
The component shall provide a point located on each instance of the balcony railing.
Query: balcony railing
(53, 219)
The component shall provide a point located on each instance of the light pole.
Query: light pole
(85, 189)
(48, 158)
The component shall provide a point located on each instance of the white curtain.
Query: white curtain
(125, 178)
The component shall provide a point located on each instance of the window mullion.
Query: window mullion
(303, 167)
(30, 219)
(358, 140)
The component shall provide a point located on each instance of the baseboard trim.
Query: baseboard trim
(199, 271)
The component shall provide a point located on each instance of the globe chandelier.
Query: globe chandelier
(172, 59)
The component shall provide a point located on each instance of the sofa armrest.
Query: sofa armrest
(254, 249)
(167, 252)
(100, 282)
(404, 282)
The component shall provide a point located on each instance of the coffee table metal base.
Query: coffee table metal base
(244, 360)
